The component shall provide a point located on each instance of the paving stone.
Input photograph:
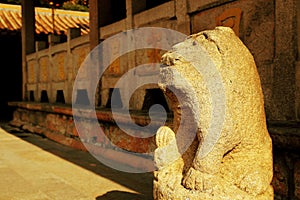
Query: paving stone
(34, 168)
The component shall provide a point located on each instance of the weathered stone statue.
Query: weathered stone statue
(238, 164)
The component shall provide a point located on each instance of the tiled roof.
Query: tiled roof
(11, 19)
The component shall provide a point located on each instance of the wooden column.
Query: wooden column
(129, 15)
(129, 26)
(94, 12)
(298, 62)
(284, 71)
(28, 32)
(298, 27)
(94, 23)
(183, 19)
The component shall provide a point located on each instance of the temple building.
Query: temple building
(11, 48)
(42, 97)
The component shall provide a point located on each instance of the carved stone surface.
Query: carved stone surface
(44, 67)
(31, 72)
(239, 166)
(59, 64)
(230, 18)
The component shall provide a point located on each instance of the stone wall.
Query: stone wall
(269, 28)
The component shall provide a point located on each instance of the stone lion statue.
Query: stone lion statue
(223, 89)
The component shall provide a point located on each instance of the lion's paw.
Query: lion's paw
(167, 152)
(164, 136)
(196, 180)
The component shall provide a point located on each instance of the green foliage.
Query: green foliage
(71, 5)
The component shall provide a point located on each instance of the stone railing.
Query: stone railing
(52, 71)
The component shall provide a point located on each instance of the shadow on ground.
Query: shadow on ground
(118, 195)
(141, 183)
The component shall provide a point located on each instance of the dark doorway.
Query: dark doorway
(10, 71)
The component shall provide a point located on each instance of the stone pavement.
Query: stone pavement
(35, 168)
